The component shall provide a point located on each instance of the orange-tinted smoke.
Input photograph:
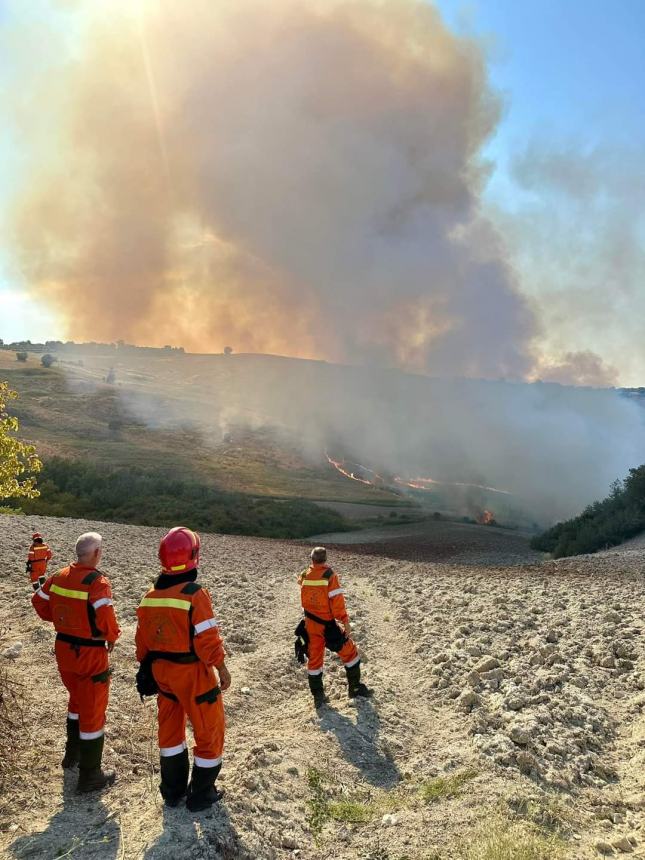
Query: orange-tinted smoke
(293, 176)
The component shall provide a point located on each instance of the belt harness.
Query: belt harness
(78, 640)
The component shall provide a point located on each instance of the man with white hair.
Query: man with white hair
(78, 601)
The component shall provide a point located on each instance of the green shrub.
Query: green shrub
(70, 488)
(602, 524)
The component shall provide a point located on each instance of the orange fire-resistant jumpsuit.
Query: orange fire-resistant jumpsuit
(78, 600)
(39, 555)
(176, 624)
(322, 596)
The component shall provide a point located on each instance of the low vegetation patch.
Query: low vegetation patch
(445, 786)
(351, 811)
(323, 806)
(601, 525)
(330, 801)
(503, 840)
(318, 803)
(70, 488)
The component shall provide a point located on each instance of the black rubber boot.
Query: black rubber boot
(317, 690)
(72, 745)
(174, 777)
(202, 793)
(354, 686)
(90, 775)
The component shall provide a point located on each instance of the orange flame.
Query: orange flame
(417, 483)
(486, 518)
(338, 465)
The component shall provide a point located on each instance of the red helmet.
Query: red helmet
(36, 536)
(179, 550)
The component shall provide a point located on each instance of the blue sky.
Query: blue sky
(569, 70)
(571, 74)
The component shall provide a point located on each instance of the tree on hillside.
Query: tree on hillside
(228, 350)
(47, 360)
(16, 457)
(602, 524)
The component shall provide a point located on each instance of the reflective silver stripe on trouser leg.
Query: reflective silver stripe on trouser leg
(170, 751)
(207, 762)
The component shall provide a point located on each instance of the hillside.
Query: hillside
(147, 420)
(268, 425)
(507, 721)
(601, 525)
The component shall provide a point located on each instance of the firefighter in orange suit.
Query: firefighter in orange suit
(78, 600)
(39, 555)
(327, 625)
(178, 633)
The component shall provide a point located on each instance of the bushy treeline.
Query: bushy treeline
(603, 524)
(70, 488)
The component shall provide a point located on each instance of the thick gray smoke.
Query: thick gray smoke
(553, 448)
(577, 230)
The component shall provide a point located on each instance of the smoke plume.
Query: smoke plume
(577, 233)
(302, 177)
(552, 448)
(293, 176)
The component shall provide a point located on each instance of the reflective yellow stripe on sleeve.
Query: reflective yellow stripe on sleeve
(315, 582)
(68, 592)
(173, 602)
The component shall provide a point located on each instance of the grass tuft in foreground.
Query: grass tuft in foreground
(501, 840)
(329, 801)
(445, 786)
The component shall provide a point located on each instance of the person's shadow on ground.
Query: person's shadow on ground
(184, 831)
(83, 827)
(359, 742)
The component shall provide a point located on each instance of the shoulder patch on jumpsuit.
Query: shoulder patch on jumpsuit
(191, 588)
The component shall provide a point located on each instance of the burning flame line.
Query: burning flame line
(413, 483)
(417, 484)
(339, 467)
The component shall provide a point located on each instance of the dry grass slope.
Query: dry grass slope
(69, 413)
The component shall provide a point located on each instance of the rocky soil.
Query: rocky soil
(508, 712)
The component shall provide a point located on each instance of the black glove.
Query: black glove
(302, 642)
(335, 638)
(145, 680)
